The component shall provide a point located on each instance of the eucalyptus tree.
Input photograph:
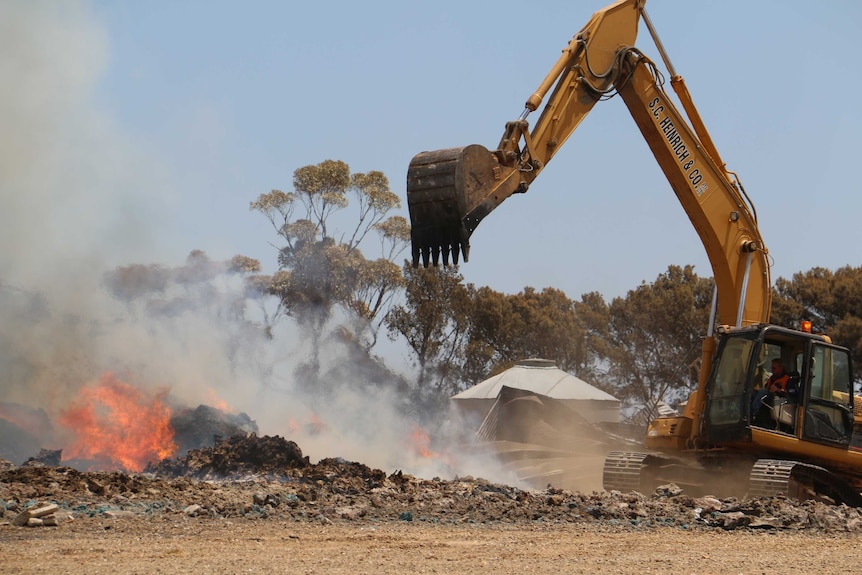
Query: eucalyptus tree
(653, 340)
(830, 300)
(321, 267)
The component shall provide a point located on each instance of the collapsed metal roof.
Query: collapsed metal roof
(539, 376)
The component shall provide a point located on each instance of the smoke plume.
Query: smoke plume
(79, 198)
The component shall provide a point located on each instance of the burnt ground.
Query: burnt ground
(265, 486)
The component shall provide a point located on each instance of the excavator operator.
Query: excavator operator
(777, 384)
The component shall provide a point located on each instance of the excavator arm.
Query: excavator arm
(450, 191)
(711, 199)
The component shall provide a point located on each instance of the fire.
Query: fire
(421, 443)
(314, 426)
(217, 402)
(118, 425)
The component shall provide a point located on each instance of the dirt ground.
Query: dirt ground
(202, 545)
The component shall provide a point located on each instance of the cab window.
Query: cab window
(728, 394)
(828, 416)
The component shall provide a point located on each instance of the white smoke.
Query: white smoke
(79, 198)
(75, 192)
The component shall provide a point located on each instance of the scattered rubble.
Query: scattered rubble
(37, 516)
(269, 478)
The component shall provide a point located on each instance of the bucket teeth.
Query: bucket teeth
(430, 249)
(455, 252)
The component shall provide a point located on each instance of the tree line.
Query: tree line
(643, 347)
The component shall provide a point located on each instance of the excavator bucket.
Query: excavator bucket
(448, 193)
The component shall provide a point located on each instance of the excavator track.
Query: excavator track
(622, 471)
(770, 477)
(800, 481)
(629, 471)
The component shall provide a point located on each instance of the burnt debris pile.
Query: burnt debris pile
(199, 427)
(236, 456)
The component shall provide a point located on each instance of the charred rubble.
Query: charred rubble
(203, 425)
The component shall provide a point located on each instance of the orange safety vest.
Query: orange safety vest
(778, 384)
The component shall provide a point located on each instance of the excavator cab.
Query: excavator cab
(800, 444)
(819, 389)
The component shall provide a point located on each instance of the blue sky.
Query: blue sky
(201, 106)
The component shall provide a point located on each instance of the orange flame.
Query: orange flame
(217, 402)
(118, 425)
(315, 424)
(421, 443)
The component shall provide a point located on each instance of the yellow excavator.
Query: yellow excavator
(729, 440)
